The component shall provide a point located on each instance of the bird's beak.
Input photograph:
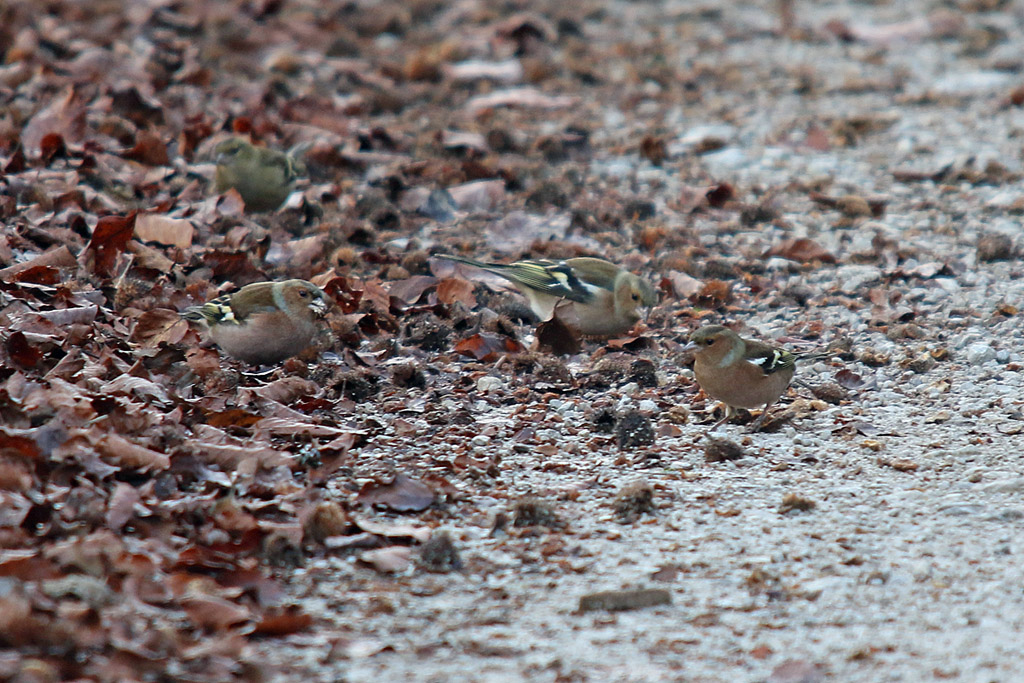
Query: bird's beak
(690, 346)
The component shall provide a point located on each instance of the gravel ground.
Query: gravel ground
(828, 174)
(904, 568)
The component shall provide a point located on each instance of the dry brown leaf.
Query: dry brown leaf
(171, 232)
(284, 622)
(58, 257)
(124, 453)
(65, 116)
(159, 325)
(121, 507)
(285, 390)
(214, 614)
(479, 195)
(409, 290)
(401, 494)
(452, 290)
(109, 239)
(801, 249)
(231, 457)
(488, 347)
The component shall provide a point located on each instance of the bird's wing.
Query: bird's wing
(769, 358)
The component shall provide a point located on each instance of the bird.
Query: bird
(606, 298)
(739, 372)
(263, 177)
(264, 322)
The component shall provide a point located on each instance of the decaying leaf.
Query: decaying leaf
(801, 249)
(401, 494)
(488, 347)
(109, 239)
(171, 232)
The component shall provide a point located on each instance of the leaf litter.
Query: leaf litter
(444, 482)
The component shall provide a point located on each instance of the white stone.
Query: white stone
(980, 352)
(487, 384)
(852, 278)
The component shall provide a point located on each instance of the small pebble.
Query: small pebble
(647, 406)
(616, 601)
(487, 384)
(979, 353)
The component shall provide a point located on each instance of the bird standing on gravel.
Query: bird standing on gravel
(607, 299)
(740, 373)
(264, 322)
(263, 177)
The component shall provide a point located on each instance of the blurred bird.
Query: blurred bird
(263, 322)
(263, 177)
(605, 297)
(740, 373)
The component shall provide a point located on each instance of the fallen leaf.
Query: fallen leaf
(720, 194)
(21, 351)
(159, 325)
(795, 671)
(81, 315)
(64, 116)
(109, 238)
(285, 390)
(19, 444)
(124, 453)
(524, 98)
(213, 613)
(667, 573)
(801, 249)
(121, 507)
(456, 290)
(518, 230)
(402, 494)
(149, 149)
(290, 620)
(171, 232)
(51, 146)
(58, 257)
(388, 560)
(409, 290)
(487, 347)
(388, 530)
(555, 336)
(849, 379)
(713, 294)
(683, 285)
(479, 195)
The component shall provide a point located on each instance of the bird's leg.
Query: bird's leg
(729, 412)
(760, 420)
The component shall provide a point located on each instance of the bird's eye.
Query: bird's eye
(709, 342)
(636, 297)
(303, 293)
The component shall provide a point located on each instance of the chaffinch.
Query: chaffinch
(605, 297)
(739, 372)
(264, 322)
(262, 176)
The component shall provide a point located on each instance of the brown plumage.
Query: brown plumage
(264, 322)
(740, 373)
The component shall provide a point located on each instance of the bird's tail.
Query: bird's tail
(497, 268)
